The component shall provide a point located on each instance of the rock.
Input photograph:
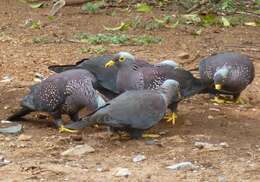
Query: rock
(139, 158)
(151, 142)
(224, 144)
(214, 109)
(24, 137)
(222, 179)
(210, 117)
(182, 166)
(3, 161)
(78, 150)
(208, 146)
(183, 55)
(118, 172)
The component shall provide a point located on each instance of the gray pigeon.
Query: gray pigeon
(64, 93)
(130, 76)
(106, 79)
(134, 111)
(227, 73)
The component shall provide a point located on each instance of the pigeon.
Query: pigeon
(63, 93)
(227, 73)
(130, 76)
(106, 79)
(133, 111)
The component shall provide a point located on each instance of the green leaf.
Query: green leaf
(143, 8)
(225, 22)
(121, 27)
(36, 5)
(209, 20)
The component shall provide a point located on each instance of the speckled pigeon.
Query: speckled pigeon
(133, 77)
(63, 93)
(227, 73)
(106, 79)
(134, 111)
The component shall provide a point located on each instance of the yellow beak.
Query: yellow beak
(109, 64)
(217, 86)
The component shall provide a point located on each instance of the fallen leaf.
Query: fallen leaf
(225, 22)
(36, 5)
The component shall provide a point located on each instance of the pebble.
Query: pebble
(211, 147)
(210, 117)
(183, 55)
(118, 172)
(24, 137)
(139, 158)
(78, 150)
(214, 109)
(3, 161)
(182, 166)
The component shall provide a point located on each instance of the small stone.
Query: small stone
(214, 109)
(24, 137)
(78, 150)
(210, 117)
(118, 172)
(221, 179)
(224, 144)
(3, 161)
(208, 146)
(183, 55)
(182, 166)
(151, 142)
(139, 158)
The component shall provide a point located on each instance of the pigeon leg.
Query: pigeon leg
(135, 133)
(218, 100)
(59, 123)
(238, 99)
(172, 116)
(115, 134)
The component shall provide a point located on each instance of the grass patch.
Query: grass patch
(118, 39)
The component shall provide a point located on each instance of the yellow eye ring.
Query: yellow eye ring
(121, 59)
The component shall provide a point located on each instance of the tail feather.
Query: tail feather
(83, 123)
(22, 112)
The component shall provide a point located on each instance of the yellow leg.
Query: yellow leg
(147, 135)
(227, 100)
(218, 100)
(240, 101)
(63, 129)
(171, 117)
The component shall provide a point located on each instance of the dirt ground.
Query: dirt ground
(40, 159)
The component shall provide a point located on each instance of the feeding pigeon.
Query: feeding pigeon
(106, 79)
(227, 73)
(130, 76)
(134, 111)
(64, 93)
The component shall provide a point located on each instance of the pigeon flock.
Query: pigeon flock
(132, 95)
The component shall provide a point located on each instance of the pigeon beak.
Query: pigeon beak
(109, 64)
(217, 86)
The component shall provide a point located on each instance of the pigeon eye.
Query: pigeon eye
(121, 59)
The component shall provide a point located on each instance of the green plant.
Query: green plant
(90, 7)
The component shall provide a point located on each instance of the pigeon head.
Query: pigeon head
(220, 77)
(28, 100)
(171, 90)
(119, 58)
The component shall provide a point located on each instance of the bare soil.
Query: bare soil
(39, 158)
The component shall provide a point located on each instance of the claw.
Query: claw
(63, 129)
(227, 101)
(240, 101)
(150, 135)
(171, 117)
